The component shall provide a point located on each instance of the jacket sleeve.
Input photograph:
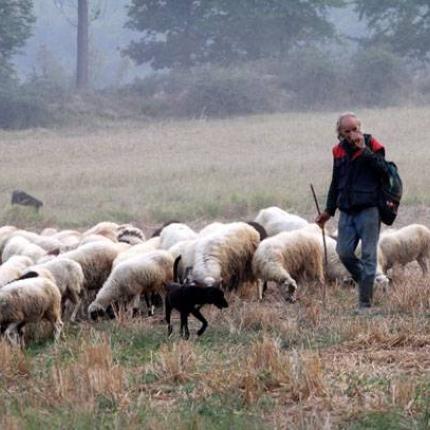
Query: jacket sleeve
(332, 194)
(375, 158)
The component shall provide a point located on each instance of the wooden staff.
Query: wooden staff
(324, 246)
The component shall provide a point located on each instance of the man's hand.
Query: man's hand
(322, 218)
(357, 139)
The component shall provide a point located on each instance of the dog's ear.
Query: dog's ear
(175, 268)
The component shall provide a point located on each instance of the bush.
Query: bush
(377, 77)
(312, 79)
(209, 92)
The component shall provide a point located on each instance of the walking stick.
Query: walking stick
(324, 247)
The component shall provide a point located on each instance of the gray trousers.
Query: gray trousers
(352, 228)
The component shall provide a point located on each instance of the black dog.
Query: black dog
(188, 299)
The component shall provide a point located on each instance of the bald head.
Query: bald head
(346, 124)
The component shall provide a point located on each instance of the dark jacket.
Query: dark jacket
(357, 175)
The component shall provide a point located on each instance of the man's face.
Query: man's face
(349, 128)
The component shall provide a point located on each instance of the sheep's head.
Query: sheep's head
(290, 287)
(96, 311)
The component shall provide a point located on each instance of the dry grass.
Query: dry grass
(259, 365)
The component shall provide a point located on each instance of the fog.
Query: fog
(214, 59)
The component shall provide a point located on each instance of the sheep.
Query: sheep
(146, 273)
(288, 258)
(96, 261)
(140, 249)
(174, 233)
(6, 233)
(29, 301)
(18, 245)
(158, 231)
(335, 270)
(48, 231)
(95, 238)
(276, 220)
(105, 228)
(13, 268)
(69, 279)
(399, 247)
(224, 257)
(131, 235)
(185, 249)
(49, 244)
(211, 228)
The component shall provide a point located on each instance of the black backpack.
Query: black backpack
(390, 192)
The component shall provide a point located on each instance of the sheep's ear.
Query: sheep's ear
(27, 275)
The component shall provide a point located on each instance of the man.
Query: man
(358, 168)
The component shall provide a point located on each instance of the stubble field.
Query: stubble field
(263, 365)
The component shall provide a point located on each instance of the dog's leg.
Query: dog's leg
(184, 325)
(201, 318)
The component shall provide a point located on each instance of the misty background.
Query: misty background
(213, 58)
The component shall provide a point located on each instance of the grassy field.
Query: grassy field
(195, 170)
(259, 365)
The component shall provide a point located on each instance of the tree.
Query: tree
(403, 26)
(183, 33)
(81, 8)
(16, 19)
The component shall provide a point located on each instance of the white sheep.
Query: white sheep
(143, 274)
(174, 233)
(13, 268)
(6, 233)
(69, 278)
(69, 239)
(224, 256)
(399, 247)
(49, 231)
(335, 270)
(104, 228)
(91, 238)
(185, 249)
(275, 220)
(48, 243)
(18, 245)
(140, 249)
(288, 258)
(211, 228)
(96, 261)
(29, 301)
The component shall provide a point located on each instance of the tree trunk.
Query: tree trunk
(82, 72)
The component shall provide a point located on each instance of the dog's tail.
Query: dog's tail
(175, 268)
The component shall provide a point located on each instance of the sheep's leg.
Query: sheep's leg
(149, 304)
(136, 305)
(260, 289)
(422, 261)
(168, 314)
(75, 311)
(12, 334)
(200, 317)
(58, 326)
(185, 333)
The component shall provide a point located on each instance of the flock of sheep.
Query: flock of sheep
(58, 275)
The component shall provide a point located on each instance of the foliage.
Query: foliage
(403, 25)
(184, 33)
(16, 19)
(377, 77)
